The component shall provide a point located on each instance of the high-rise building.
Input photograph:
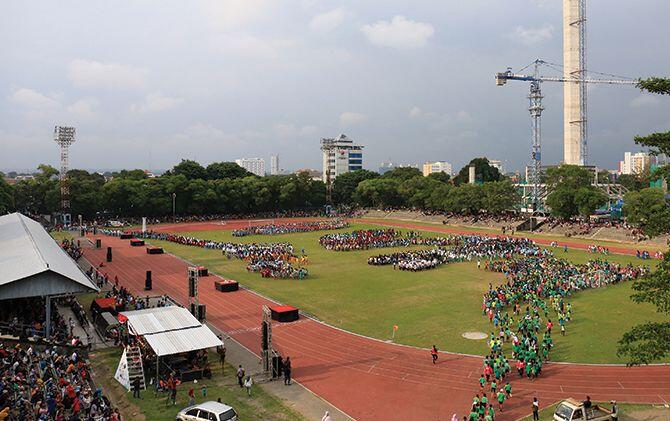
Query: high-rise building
(636, 163)
(435, 167)
(253, 165)
(274, 164)
(340, 155)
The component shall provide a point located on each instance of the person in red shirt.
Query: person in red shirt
(433, 353)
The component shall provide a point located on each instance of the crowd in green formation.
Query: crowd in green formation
(536, 290)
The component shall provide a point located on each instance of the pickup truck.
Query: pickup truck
(573, 410)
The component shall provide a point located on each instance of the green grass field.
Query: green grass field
(430, 307)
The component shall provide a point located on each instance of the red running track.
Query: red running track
(370, 379)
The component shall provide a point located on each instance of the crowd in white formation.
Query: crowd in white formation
(377, 238)
(271, 260)
(291, 227)
(463, 247)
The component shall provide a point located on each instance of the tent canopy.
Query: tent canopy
(32, 264)
(170, 330)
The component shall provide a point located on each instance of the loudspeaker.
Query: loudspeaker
(147, 281)
(192, 287)
(194, 310)
(201, 312)
(98, 243)
(109, 254)
(264, 336)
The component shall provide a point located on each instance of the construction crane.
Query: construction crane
(536, 108)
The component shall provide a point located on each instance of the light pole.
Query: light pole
(174, 214)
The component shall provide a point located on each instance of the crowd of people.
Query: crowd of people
(377, 238)
(72, 248)
(291, 227)
(462, 248)
(271, 260)
(49, 384)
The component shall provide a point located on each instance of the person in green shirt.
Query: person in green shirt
(508, 390)
(494, 387)
(474, 416)
(501, 400)
(482, 382)
(492, 412)
(485, 401)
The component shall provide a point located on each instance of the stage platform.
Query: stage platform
(136, 242)
(154, 250)
(226, 285)
(284, 314)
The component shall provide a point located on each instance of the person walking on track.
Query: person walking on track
(433, 353)
(287, 371)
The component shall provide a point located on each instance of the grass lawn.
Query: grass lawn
(430, 307)
(627, 412)
(261, 406)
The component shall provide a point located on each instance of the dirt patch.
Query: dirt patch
(475, 336)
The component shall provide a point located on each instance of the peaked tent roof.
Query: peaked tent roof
(170, 330)
(33, 264)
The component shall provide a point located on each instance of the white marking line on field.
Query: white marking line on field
(405, 376)
(621, 385)
(561, 389)
(372, 367)
(664, 401)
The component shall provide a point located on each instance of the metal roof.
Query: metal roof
(185, 340)
(159, 319)
(171, 330)
(28, 254)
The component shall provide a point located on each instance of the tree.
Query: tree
(632, 182)
(189, 169)
(484, 172)
(345, 185)
(465, 199)
(220, 170)
(402, 173)
(416, 191)
(650, 342)
(571, 192)
(6, 196)
(499, 196)
(85, 192)
(648, 209)
(378, 192)
(440, 176)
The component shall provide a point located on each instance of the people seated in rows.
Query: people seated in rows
(291, 227)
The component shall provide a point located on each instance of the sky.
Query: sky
(148, 83)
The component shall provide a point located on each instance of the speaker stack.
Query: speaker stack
(147, 281)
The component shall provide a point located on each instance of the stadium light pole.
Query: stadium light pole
(174, 213)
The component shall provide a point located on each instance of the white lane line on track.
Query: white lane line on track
(621, 385)
(372, 367)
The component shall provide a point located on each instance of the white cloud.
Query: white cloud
(32, 99)
(415, 112)
(248, 45)
(155, 102)
(94, 74)
(232, 15)
(327, 21)
(349, 118)
(84, 109)
(400, 33)
(463, 116)
(644, 100)
(531, 36)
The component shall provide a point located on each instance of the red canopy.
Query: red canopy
(106, 303)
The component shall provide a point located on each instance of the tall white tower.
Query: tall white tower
(64, 136)
(574, 93)
(274, 164)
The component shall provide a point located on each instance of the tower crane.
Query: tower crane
(536, 108)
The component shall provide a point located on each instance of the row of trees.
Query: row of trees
(225, 188)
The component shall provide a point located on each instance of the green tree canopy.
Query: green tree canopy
(571, 192)
(484, 172)
(402, 173)
(6, 196)
(220, 170)
(649, 210)
(190, 169)
(345, 185)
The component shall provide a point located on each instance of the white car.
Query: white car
(207, 411)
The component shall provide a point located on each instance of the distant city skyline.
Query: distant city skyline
(411, 81)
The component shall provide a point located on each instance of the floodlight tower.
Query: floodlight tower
(64, 136)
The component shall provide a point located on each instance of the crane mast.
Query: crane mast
(535, 108)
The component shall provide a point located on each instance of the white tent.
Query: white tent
(170, 330)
